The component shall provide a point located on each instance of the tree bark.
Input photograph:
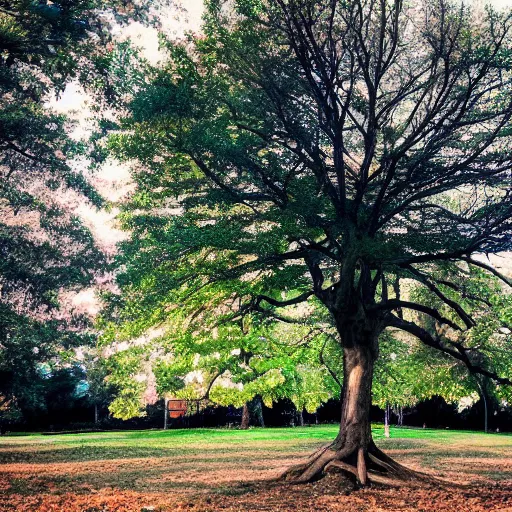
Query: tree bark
(386, 421)
(96, 419)
(353, 452)
(245, 417)
(300, 417)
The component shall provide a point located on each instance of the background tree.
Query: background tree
(46, 253)
(489, 302)
(407, 373)
(238, 365)
(324, 151)
(98, 390)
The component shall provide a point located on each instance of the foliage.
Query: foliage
(490, 304)
(408, 372)
(322, 153)
(45, 250)
(230, 366)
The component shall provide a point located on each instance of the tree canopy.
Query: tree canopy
(45, 250)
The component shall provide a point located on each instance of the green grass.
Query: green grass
(156, 443)
(234, 436)
(160, 443)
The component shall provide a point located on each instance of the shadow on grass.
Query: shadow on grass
(227, 469)
(97, 453)
(183, 479)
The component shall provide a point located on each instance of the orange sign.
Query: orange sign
(177, 408)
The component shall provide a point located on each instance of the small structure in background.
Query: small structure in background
(177, 408)
(174, 408)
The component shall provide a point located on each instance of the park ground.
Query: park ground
(231, 470)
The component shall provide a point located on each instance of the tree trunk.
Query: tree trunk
(355, 428)
(96, 419)
(353, 452)
(258, 411)
(245, 418)
(166, 413)
(300, 417)
(386, 421)
(484, 398)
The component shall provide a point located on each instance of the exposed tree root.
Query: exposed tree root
(360, 466)
(341, 465)
(320, 450)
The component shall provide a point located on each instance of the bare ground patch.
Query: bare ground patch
(475, 475)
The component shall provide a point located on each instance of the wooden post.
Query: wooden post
(386, 421)
(484, 398)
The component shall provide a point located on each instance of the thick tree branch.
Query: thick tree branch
(283, 303)
(396, 304)
(459, 353)
(490, 269)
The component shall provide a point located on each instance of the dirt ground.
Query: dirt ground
(119, 474)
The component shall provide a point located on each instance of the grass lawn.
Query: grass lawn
(219, 469)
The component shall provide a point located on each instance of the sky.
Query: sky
(113, 179)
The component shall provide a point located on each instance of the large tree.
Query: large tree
(324, 151)
(44, 249)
